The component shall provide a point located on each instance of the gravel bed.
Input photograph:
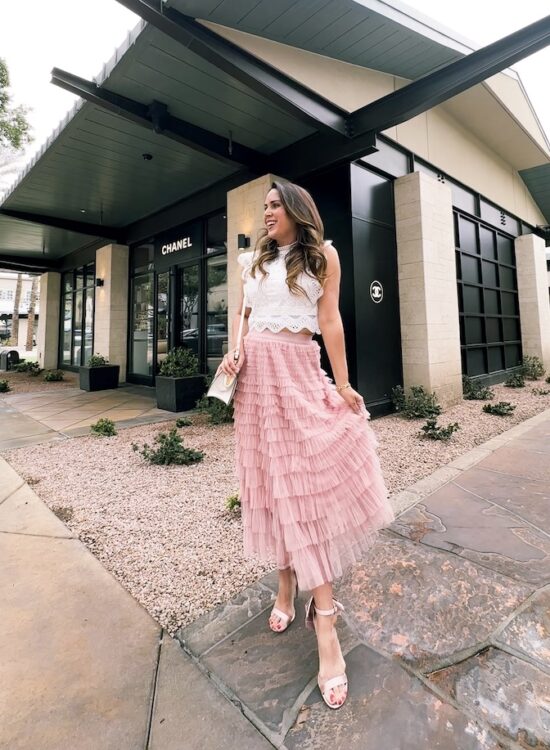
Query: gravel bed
(22, 382)
(164, 531)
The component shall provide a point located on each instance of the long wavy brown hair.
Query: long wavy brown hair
(306, 256)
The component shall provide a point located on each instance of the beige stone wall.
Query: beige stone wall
(48, 322)
(245, 215)
(534, 307)
(111, 305)
(428, 301)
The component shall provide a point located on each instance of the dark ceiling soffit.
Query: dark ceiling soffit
(96, 230)
(16, 263)
(284, 92)
(452, 79)
(156, 117)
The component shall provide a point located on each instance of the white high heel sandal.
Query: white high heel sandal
(287, 620)
(334, 682)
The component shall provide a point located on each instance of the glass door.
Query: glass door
(189, 309)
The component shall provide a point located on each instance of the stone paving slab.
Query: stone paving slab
(78, 654)
(423, 605)
(456, 520)
(190, 714)
(529, 631)
(9, 480)
(516, 460)
(24, 513)
(529, 499)
(510, 694)
(386, 708)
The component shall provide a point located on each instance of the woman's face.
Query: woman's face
(280, 226)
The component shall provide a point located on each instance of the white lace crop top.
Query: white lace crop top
(273, 305)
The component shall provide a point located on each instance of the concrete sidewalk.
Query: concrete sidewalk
(446, 631)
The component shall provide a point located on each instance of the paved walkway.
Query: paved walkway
(446, 631)
(30, 418)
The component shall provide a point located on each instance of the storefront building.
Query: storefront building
(436, 198)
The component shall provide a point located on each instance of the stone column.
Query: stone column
(428, 297)
(245, 212)
(534, 307)
(111, 305)
(48, 320)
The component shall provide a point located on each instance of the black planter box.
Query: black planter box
(179, 394)
(99, 378)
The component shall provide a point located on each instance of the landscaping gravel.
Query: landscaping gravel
(164, 531)
(22, 382)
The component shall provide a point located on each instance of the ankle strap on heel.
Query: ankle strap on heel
(328, 612)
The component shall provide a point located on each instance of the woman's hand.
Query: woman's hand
(354, 399)
(228, 365)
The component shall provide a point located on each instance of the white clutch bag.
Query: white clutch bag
(223, 386)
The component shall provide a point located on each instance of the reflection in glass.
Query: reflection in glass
(142, 325)
(216, 314)
(88, 325)
(67, 329)
(77, 331)
(162, 317)
(189, 308)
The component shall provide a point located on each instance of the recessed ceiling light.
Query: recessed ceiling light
(82, 210)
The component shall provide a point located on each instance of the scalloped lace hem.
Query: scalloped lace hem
(295, 324)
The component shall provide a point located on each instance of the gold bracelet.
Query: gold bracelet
(343, 386)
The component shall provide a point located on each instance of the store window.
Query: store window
(142, 313)
(77, 316)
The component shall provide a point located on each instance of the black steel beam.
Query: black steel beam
(273, 84)
(22, 265)
(453, 79)
(96, 230)
(155, 116)
(320, 151)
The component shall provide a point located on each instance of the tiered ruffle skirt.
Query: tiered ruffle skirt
(311, 488)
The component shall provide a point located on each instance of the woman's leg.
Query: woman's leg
(331, 661)
(285, 598)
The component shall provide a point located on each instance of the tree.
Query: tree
(14, 127)
(31, 314)
(15, 314)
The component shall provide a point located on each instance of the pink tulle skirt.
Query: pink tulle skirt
(311, 488)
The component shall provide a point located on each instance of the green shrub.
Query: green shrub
(233, 502)
(54, 375)
(502, 408)
(4, 386)
(170, 450)
(105, 427)
(97, 360)
(547, 380)
(417, 404)
(218, 412)
(28, 366)
(515, 381)
(540, 391)
(532, 368)
(179, 363)
(183, 422)
(474, 391)
(433, 431)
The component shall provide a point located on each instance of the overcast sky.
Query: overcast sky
(79, 36)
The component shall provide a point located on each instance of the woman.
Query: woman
(312, 493)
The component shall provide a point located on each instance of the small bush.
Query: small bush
(28, 366)
(233, 502)
(218, 412)
(435, 432)
(179, 363)
(97, 360)
(105, 427)
(54, 375)
(170, 450)
(183, 422)
(4, 386)
(547, 380)
(515, 381)
(416, 405)
(540, 391)
(532, 368)
(474, 391)
(502, 408)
